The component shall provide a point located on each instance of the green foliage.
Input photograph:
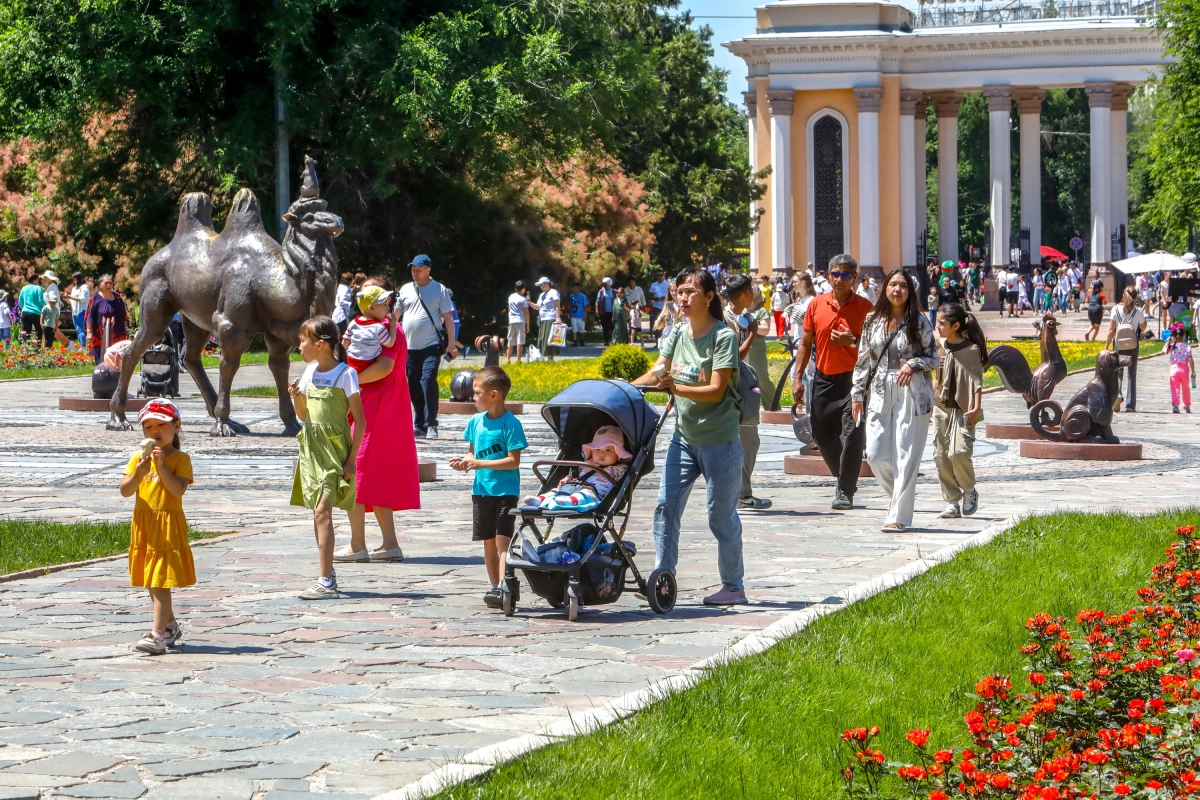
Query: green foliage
(429, 120)
(624, 361)
(769, 725)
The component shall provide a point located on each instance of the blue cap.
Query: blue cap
(421, 261)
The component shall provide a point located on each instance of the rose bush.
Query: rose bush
(1112, 709)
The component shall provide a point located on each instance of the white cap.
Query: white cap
(542, 280)
(1190, 258)
(606, 280)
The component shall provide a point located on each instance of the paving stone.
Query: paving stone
(206, 788)
(76, 765)
(283, 794)
(413, 670)
(13, 793)
(106, 789)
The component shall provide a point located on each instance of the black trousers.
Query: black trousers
(31, 326)
(833, 429)
(606, 324)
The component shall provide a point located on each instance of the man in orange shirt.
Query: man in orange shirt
(832, 324)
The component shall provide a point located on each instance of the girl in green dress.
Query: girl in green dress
(620, 318)
(325, 396)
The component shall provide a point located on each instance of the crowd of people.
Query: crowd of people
(98, 314)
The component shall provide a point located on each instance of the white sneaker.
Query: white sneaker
(152, 644)
(431, 432)
(951, 511)
(319, 591)
(970, 502)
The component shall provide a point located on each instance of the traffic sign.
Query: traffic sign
(1076, 243)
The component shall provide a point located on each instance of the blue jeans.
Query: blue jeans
(422, 370)
(721, 466)
(81, 327)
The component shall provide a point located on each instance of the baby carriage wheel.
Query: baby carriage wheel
(660, 592)
(508, 596)
(572, 601)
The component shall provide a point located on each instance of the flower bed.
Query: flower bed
(1112, 709)
(27, 355)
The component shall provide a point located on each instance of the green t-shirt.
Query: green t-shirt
(50, 316)
(692, 364)
(31, 299)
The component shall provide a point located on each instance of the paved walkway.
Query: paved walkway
(273, 697)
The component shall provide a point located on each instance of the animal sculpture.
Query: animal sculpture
(1038, 384)
(1089, 414)
(235, 285)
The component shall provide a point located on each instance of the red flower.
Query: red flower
(1122, 789)
(1037, 678)
(1001, 780)
(943, 756)
(1153, 785)
(917, 737)
(937, 795)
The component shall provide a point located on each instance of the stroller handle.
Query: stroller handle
(602, 470)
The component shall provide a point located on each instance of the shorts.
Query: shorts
(578, 325)
(490, 517)
(516, 334)
(1003, 295)
(1096, 316)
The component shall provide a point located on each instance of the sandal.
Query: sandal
(893, 527)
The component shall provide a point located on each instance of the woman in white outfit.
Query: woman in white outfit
(896, 357)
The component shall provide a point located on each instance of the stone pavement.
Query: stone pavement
(273, 697)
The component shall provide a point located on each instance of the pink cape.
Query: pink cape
(387, 460)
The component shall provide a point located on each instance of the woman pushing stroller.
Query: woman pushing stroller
(699, 365)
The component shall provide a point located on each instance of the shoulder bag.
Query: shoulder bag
(443, 335)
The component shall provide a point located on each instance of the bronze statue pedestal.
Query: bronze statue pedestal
(98, 404)
(775, 418)
(1081, 451)
(1007, 430)
(455, 407)
(805, 464)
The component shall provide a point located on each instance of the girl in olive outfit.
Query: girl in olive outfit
(326, 396)
(699, 365)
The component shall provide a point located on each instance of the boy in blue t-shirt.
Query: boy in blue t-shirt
(579, 304)
(497, 439)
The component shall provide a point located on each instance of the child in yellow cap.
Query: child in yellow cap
(373, 330)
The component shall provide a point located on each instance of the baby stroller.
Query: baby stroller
(598, 576)
(160, 371)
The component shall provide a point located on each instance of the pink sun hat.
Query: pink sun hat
(608, 436)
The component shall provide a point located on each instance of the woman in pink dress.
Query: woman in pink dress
(387, 479)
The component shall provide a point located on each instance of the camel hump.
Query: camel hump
(195, 213)
(245, 214)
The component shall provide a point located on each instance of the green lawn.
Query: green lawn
(255, 391)
(46, 372)
(29, 543)
(769, 726)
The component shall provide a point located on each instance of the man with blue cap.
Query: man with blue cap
(427, 316)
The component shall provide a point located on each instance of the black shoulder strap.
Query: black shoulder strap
(421, 300)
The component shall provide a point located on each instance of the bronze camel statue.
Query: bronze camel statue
(235, 285)
(1089, 414)
(1034, 385)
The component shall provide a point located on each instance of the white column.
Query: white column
(947, 117)
(908, 179)
(780, 103)
(999, 100)
(1119, 142)
(1100, 102)
(869, 99)
(920, 171)
(751, 101)
(1029, 110)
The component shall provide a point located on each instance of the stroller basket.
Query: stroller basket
(599, 573)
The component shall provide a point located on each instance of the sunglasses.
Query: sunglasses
(845, 276)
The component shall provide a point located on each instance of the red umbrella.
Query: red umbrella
(1050, 252)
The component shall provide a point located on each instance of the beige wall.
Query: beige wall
(889, 175)
(763, 157)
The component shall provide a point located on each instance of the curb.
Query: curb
(483, 760)
(38, 572)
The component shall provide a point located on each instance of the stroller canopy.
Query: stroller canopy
(578, 411)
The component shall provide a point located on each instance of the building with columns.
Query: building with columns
(837, 97)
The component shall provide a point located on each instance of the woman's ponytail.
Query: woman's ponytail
(968, 326)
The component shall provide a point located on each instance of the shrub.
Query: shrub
(1112, 710)
(625, 361)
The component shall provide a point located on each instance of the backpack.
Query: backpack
(1126, 337)
(747, 393)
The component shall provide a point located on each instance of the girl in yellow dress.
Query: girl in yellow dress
(159, 556)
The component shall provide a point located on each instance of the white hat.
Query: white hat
(50, 274)
(1190, 258)
(542, 280)
(606, 281)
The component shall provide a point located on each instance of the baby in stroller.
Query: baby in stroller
(584, 489)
